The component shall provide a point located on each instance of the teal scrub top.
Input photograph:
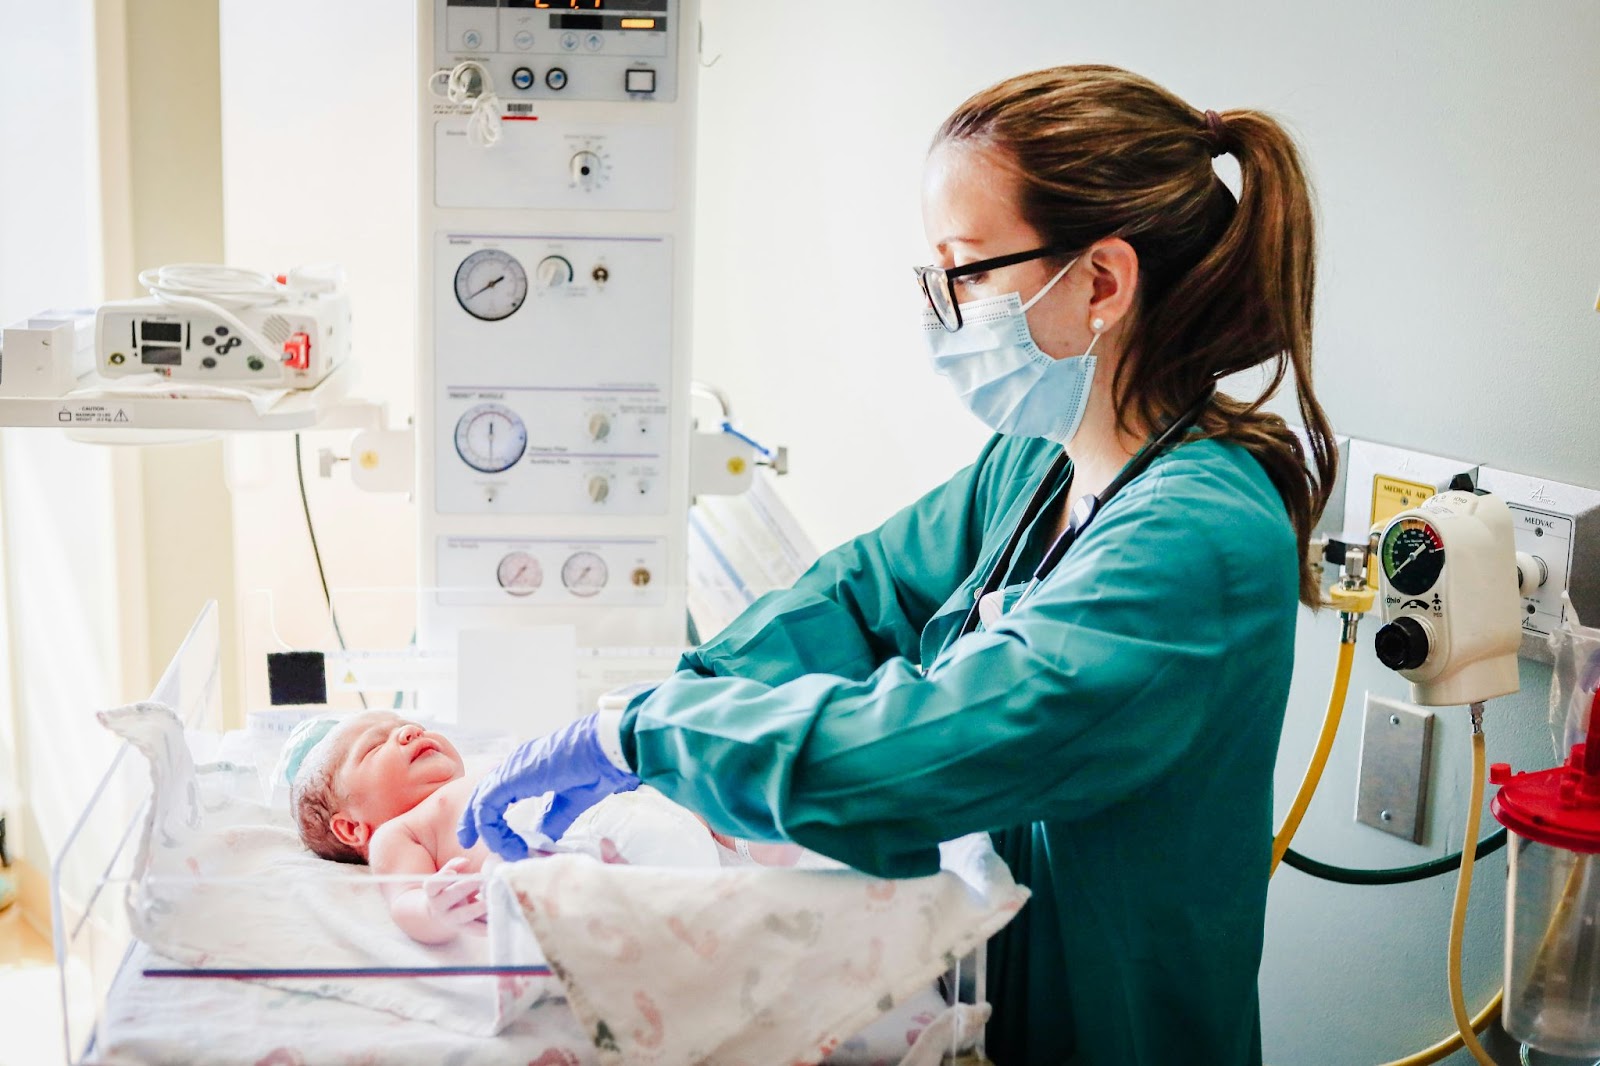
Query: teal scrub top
(1115, 731)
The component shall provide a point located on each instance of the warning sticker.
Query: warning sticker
(93, 414)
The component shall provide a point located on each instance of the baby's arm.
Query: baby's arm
(430, 911)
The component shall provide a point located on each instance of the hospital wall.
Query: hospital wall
(63, 607)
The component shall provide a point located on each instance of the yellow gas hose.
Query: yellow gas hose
(1452, 1043)
(1458, 918)
(1466, 1028)
(1319, 758)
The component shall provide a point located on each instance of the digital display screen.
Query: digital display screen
(589, 5)
(153, 356)
(606, 22)
(171, 332)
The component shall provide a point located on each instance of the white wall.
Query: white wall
(56, 497)
(1454, 151)
(1453, 148)
(319, 165)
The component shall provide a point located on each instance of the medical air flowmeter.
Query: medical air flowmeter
(1450, 599)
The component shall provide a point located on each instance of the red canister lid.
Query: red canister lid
(1559, 807)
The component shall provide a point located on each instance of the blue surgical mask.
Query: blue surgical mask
(1003, 377)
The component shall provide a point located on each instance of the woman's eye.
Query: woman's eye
(972, 280)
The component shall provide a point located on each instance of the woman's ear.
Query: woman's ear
(1114, 275)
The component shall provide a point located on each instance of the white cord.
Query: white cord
(218, 289)
(483, 126)
(227, 286)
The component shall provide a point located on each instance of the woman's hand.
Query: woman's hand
(569, 763)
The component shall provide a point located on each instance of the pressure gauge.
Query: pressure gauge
(491, 438)
(1413, 556)
(491, 284)
(584, 574)
(520, 574)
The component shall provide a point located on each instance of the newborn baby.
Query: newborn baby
(376, 789)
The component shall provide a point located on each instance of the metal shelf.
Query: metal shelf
(123, 417)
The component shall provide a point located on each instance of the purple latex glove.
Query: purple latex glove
(568, 762)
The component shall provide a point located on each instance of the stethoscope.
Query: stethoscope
(1083, 512)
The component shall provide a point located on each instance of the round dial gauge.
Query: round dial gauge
(1413, 556)
(491, 284)
(520, 574)
(491, 438)
(584, 574)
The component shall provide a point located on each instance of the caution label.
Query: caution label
(93, 414)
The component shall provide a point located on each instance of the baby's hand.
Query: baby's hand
(454, 900)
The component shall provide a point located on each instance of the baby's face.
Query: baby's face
(390, 765)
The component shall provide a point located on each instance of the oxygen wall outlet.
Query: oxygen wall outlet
(1557, 529)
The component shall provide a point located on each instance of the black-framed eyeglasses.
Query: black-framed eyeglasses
(938, 283)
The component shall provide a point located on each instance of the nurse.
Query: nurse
(1082, 642)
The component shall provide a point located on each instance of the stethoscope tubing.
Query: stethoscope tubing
(1083, 513)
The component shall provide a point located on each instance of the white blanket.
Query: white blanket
(756, 966)
(223, 883)
(661, 966)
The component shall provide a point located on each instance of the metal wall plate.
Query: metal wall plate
(1392, 784)
(1560, 524)
(1399, 466)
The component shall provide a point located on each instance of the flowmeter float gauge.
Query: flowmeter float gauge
(491, 438)
(520, 574)
(1413, 556)
(491, 284)
(584, 574)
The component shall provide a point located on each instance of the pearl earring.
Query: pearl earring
(1098, 325)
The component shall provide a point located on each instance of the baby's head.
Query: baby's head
(347, 778)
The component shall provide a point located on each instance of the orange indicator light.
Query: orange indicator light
(638, 24)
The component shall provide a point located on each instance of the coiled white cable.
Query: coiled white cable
(227, 286)
(483, 125)
(219, 289)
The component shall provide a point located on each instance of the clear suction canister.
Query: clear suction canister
(1552, 991)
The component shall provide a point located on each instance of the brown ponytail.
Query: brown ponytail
(1224, 285)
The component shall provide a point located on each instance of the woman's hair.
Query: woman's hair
(1224, 285)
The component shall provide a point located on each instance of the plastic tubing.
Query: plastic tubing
(1319, 757)
(1398, 875)
(1458, 917)
(1452, 1043)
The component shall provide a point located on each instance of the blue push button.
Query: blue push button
(522, 78)
(556, 78)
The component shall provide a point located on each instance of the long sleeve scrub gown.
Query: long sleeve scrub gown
(1115, 731)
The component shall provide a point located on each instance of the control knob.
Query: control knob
(1403, 644)
(585, 169)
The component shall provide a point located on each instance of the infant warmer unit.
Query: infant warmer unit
(1552, 996)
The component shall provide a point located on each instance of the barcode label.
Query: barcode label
(519, 109)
